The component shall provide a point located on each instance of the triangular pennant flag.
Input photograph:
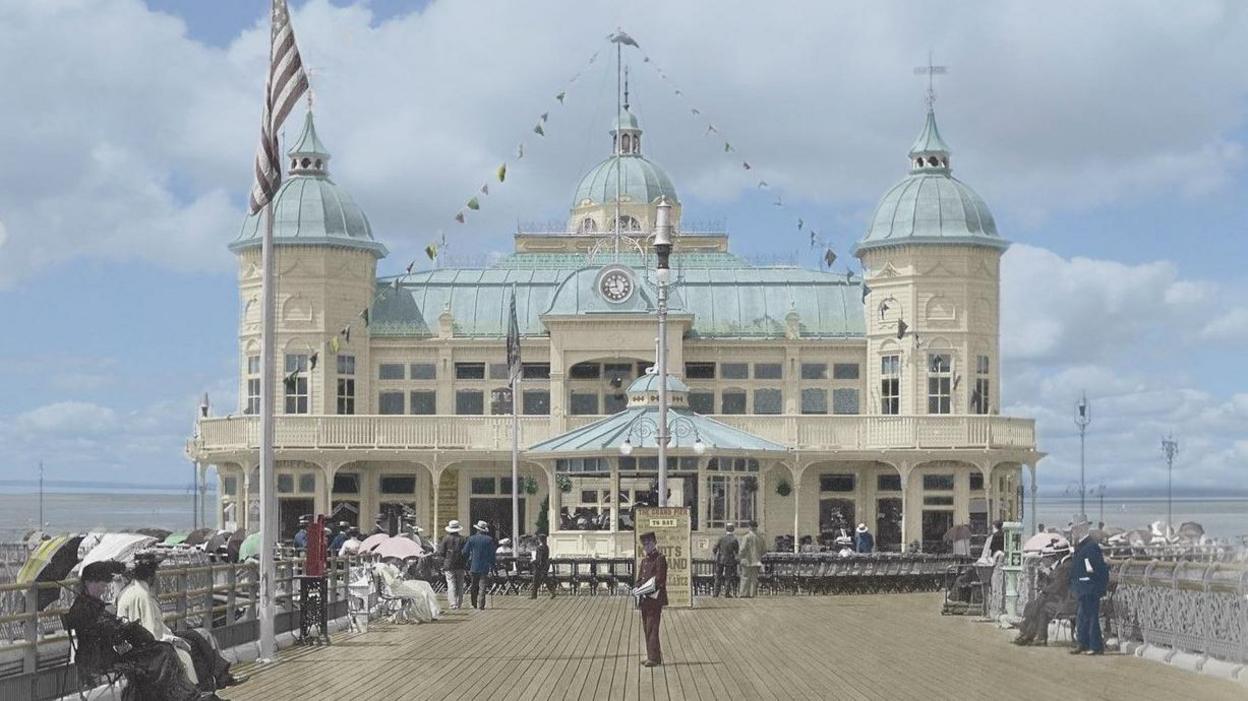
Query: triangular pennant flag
(812, 238)
(313, 358)
(678, 92)
(485, 189)
(544, 116)
(622, 38)
(346, 332)
(409, 267)
(727, 147)
(538, 130)
(865, 291)
(779, 201)
(291, 381)
(334, 344)
(473, 204)
(459, 217)
(762, 184)
(883, 308)
(695, 111)
(645, 59)
(502, 172)
(957, 380)
(519, 151)
(431, 251)
(710, 129)
(901, 329)
(829, 257)
(800, 223)
(365, 316)
(560, 96)
(849, 277)
(746, 164)
(395, 285)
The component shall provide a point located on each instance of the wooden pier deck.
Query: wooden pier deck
(828, 647)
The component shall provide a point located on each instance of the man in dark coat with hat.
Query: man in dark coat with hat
(1055, 601)
(1089, 580)
(653, 565)
(479, 549)
(541, 568)
(726, 551)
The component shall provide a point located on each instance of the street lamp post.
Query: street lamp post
(1083, 417)
(663, 274)
(644, 427)
(1169, 448)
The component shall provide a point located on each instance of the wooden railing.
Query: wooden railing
(494, 432)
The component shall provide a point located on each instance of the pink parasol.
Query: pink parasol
(373, 541)
(399, 547)
(1045, 542)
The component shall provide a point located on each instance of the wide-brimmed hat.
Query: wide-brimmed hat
(454, 527)
(862, 528)
(482, 526)
(505, 541)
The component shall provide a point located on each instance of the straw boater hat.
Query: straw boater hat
(730, 527)
(505, 541)
(482, 526)
(454, 527)
(862, 528)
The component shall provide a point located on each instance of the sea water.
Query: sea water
(1224, 518)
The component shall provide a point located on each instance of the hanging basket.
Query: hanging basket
(564, 483)
(783, 488)
(529, 486)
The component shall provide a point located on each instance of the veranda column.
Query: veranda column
(904, 468)
(797, 504)
(1031, 467)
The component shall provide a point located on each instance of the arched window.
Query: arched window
(628, 144)
(931, 161)
(628, 223)
(306, 162)
(587, 226)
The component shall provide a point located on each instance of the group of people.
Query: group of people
(861, 542)
(1075, 585)
(738, 561)
(133, 638)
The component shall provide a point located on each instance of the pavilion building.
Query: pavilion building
(807, 401)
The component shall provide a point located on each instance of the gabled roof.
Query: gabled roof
(607, 435)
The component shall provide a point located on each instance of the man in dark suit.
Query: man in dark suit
(652, 565)
(1089, 579)
(479, 549)
(726, 552)
(541, 568)
(1055, 601)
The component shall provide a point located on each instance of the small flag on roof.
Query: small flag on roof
(901, 329)
(865, 291)
(545, 116)
(291, 380)
(431, 251)
(560, 96)
(346, 332)
(365, 317)
(519, 151)
(502, 172)
(621, 37)
(459, 217)
(485, 189)
(334, 344)
(473, 204)
(746, 164)
(829, 257)
(313, 358)
(538, 130)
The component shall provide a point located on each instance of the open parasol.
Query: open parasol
(234, 543)
(373, 541)
(176, 538)
(158, 533)
(199, 536)
(250, 547)
(50, 562)
(399, 547)
(1191, 530)
(116, 546)
(1042, 542)
(959, 532)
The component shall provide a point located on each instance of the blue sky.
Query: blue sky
(1108, 141)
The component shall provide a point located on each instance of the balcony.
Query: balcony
(493, 433)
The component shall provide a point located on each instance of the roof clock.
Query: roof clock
(616, 284)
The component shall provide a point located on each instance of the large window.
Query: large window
(390, 371)
(536, 402)
(702, 402)
(768, 401)
(768, 371)
(814, 401)
(535, 371)
(253, 385)
(734, 371)
(424, 402)
(469, 402)
(733, 485)
(639, 484)
(584, 494)
(890, 384)
(500, 400)
(732, 401)
(346, 384)
(390, 403)
(939, 383)
(980, 396)
(845, 371)
(470, 371)
(423, 371)
(296, 383)
(699, 371)
(595, 388)
(814, 371)
(581, 403)
(844, 401)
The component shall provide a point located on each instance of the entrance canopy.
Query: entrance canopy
(638, 427)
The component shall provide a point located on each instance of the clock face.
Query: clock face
(616, 285)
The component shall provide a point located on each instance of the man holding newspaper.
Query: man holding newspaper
(651, 596)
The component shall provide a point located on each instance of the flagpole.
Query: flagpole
(268, 378)
(515, 470)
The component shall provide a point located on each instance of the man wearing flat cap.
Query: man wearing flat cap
(653, 565)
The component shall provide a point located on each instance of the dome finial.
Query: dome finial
(308, 156)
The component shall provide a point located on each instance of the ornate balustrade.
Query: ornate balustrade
(494, 432)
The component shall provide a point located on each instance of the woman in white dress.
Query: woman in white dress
(419, 602)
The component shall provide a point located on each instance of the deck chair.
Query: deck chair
(95, 683)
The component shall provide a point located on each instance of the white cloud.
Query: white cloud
(143, 148)
(68, 420)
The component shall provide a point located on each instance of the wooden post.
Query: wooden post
(231, 581)
(181, 606)
(30, 628)
(209, 599)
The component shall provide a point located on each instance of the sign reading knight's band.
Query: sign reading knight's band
(671, 527)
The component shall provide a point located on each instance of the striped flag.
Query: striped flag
(286, 83)
(513, 341)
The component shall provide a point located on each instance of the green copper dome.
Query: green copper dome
(640, 180)
(930, 206)
(309, 208)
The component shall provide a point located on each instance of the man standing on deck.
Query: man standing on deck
(541, 568)
(453, 563)
(1089, 578)
(653, 565)
(479, 549)
(725, 552)
(751, 561)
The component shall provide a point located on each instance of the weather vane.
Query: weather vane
(931, 71)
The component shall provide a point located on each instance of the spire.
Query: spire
(929, 152)
(308, 156)
(626, 134)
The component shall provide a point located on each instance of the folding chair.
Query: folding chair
(108, 681)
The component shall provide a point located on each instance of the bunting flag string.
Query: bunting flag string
(712, 131)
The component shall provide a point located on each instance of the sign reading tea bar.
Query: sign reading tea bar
(671, 527)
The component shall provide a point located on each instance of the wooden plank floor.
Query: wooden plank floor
(827, 647)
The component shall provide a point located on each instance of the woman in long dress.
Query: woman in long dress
(419, 602)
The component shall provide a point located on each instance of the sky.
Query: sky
(1107, 138)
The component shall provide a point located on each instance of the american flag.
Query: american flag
(513, 341)
(286, 83)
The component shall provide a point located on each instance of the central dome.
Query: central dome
(640, 180)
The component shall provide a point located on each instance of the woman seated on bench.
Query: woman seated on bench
(106, 643)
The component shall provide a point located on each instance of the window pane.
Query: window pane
(470, 371)
(285, 484)
(844, 401)
(845, 371)
(347, 483)
(346, 395)
(734, 371)
(836, 483)
(253, 365)
(614, 403)
(390, 403)
(981, 365)
(938, 501)
(500, 401)
(699, 371)
(733, 402)
(890, 365)
(585, 371)
(423, 371)
(390, 371)
(977, 480)
(768, 401)
(296, 362)
(424, 403)
(939, 362)
(702, 402)
(767, 371)
(888, 483)
(307, 484)
(398, 484)
(814, 371)
(582, 403)
(938, 482)
(229, 485)
(469, 402)
(346, 365)
(814, 401)
(483, 485)
(499, 371)
(504, 485)
(536, 402)
(535, 371)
